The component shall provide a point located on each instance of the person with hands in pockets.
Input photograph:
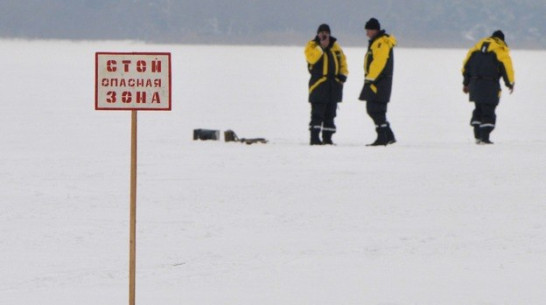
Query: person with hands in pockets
(327, 65)
(378, 73)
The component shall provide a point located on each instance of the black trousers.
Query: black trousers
(378, 112)
(322, 116)
(484, 115)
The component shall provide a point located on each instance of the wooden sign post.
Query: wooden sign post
(132, 218)
(132, 81)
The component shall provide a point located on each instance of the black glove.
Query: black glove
(511, 87)
(466, 80)
(342, 78)
(317, 40)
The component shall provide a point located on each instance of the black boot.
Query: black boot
(327, 137)
(390, 135)
(382, 137)
(484, 135)
(315, 138)
(477, 133)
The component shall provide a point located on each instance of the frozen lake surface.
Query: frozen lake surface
(433, 219)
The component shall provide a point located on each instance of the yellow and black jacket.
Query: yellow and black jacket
(328, 69)
(378, 69)
(484, 65)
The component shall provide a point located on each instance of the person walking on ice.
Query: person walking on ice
(484, 65)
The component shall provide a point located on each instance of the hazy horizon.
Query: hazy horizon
(415, 24)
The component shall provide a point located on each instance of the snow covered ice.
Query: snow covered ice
(433, 219)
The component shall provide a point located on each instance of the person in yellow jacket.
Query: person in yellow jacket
(327, 65)
(484, 65)
(378, 71)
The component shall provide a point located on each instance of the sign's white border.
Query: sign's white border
(133, 81)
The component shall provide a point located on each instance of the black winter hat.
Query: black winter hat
(372, 24)
(323, 28)
(498, 34)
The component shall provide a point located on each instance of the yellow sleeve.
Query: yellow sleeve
(475, 48)
(343, 68)
(467, 58)
(313, 52)
(380, 52)
(503, 55)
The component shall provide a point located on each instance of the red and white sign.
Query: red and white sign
(132, 81)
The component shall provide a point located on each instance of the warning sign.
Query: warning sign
(132, 81)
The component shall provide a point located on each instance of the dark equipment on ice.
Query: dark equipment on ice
(231, 136)
(206, 134)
